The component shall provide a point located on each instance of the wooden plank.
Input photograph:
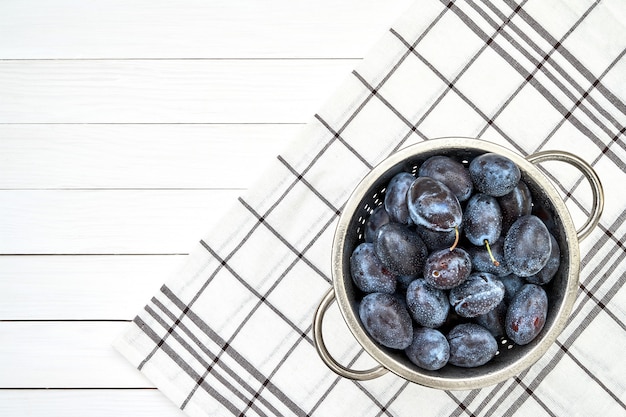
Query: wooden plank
(192, 28)
(92, 403)
(64, 355)
(110, 287)
(138, 156)
(108, 221)
(166, 91)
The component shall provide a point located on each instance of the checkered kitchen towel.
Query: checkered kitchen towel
(231, 333)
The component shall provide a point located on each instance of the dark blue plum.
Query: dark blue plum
(482, 220)
(526, 314)
(429, 349)
(517, 203)
(480, 293)
(433, 205)
(471, 345)
(527, 246)
(451, 173)
(435, 240)
(428, 306)
(512, 283)
(368, 273)
(445, 268)
(403, 281)
(494, 174)
(386, 320)
(494, 320)
(400, 249)
(378, 218)
(548, 272)
(396, 197)
(482, 261)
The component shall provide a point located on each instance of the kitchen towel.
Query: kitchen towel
(231, 333)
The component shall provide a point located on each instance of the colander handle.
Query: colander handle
(360, 375)
(592, 177)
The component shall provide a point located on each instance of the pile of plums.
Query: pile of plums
(452, 260)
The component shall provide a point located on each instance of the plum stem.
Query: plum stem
(496, 263)
(456, 238)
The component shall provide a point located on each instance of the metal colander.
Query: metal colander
(547, 204)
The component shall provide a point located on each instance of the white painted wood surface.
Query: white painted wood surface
(87, 29)
(90, 287)
(87, 402)
(96, 221)
(166, 91)
(137, 156)
(126, 128)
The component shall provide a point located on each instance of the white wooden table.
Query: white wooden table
(126, 129)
